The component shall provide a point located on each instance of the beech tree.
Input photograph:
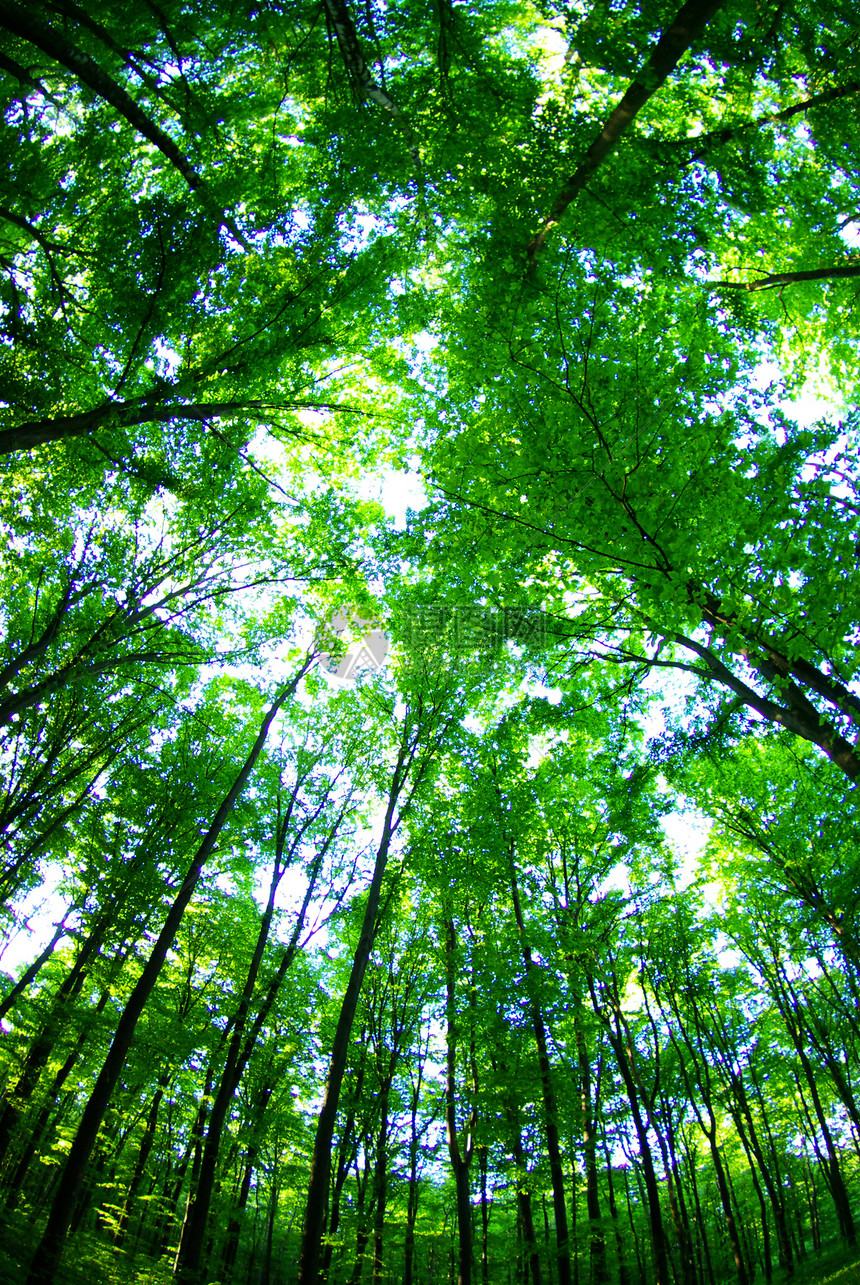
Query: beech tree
(428, 642)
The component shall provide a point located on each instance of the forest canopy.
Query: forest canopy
(429, 663)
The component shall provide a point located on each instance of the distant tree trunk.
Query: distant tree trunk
(142, 1157)
(347, 1152)
(748, 1134)
(838, 1189)
(675, 1180)
(548, 1241)
(416, 725)
(30, 973)
(531, 1255)
(194, 1229)
(363, 1215)
(704, 1247)
(44, 1043)
(623, 1274)
(460, 1160)
(640, 1266)
(381, 1182)
(485, 1216)
(553, 1146)
(621, 1043)
(194, 1148)
(599, 1271)
(43, 1119)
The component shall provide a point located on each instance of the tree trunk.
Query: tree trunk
(318, 1186)
(556, 1170)
(619, 1048)
(50, 1248)
(140, 1165)
(460, 1160)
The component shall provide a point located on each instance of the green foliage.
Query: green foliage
(252, 261)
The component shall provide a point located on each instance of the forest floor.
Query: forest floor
(96, 1264)
(836, 1265)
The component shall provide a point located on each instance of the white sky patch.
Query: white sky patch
(396, 491)
(808, 407)
(688, 834)
(37, 916)
(553, 49)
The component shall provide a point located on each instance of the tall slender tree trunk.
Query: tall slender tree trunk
(623, 1274)
(599, 1270)
(460, 1159)
(412, 1193)
(617, 1036)
(838, 1189)
(381, 1183)
(704, 1247)
(413, 730)
(194, 1229)
(347, 1152)
(140, 1164)
(45, 1041)
(531, 1254)
(553, 1145)
(50, 1248)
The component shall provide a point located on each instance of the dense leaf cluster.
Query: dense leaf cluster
(534, 953)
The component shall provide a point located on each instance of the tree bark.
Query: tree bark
(50, 1248)
(314, 1221)
(689, 22)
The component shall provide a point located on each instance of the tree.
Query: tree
(429, 959)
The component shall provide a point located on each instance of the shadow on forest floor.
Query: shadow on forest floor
(835, 1265)
(98, 1264)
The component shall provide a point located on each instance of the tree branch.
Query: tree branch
(717, 137)
(777, 280)
(688, 23)
(145, 411)
(21, 23)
